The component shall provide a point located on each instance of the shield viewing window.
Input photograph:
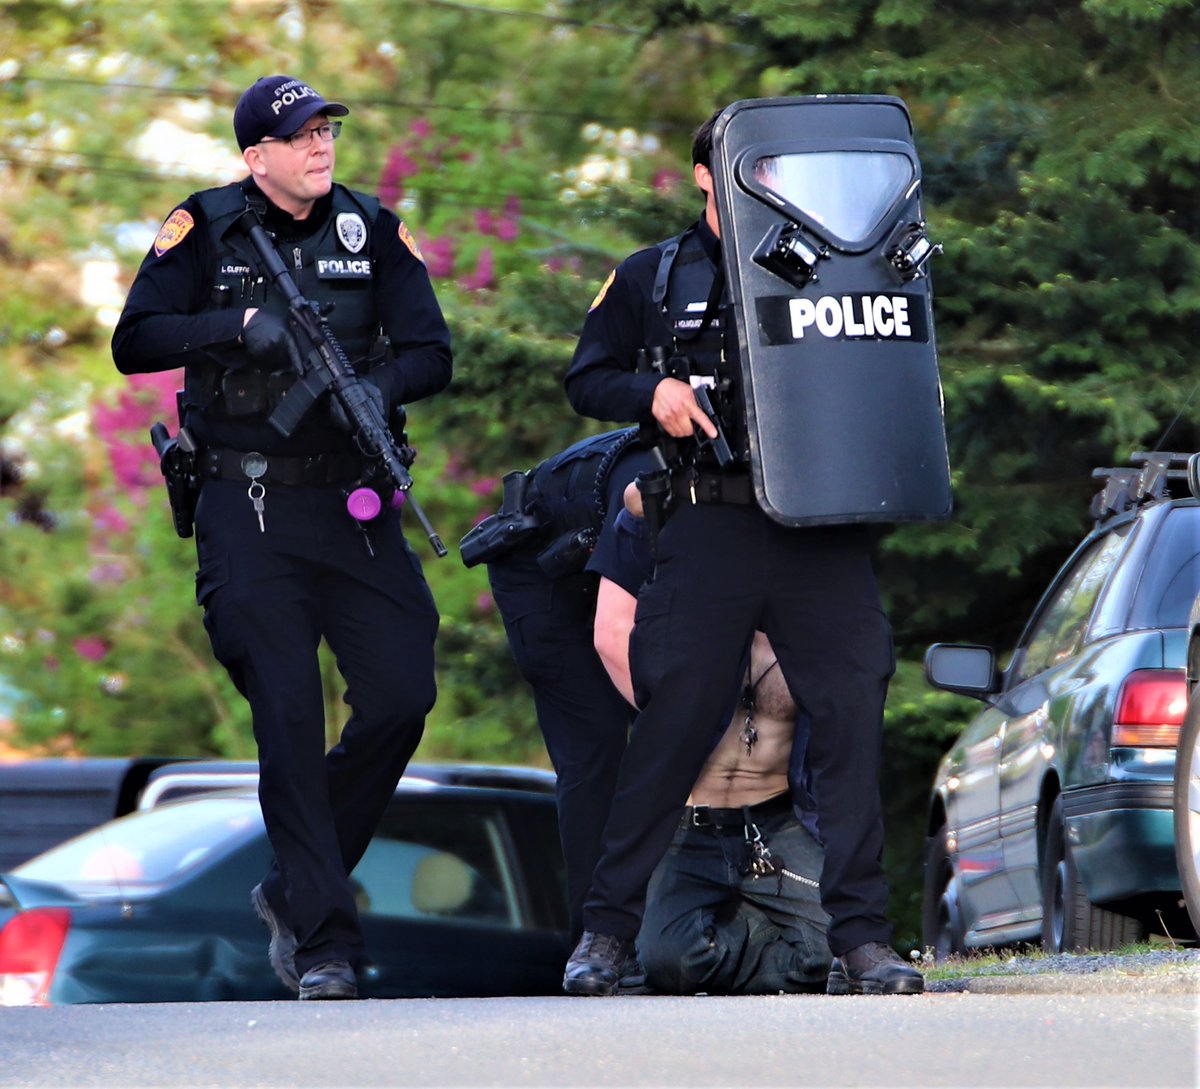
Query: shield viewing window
(847, 195)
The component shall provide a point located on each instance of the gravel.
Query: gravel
(1165, 971)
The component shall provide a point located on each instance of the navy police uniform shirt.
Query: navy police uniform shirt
(168, 319)
(624, 553)
(602, 381)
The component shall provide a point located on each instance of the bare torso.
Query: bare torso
(734, 777)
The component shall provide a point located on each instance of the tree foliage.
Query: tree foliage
(529, 147)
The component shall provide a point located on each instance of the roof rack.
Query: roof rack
(1148, 482)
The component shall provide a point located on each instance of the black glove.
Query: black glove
(268, 340)
(338, 414)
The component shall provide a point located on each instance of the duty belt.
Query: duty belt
(723, 488)
(313, 470)
(735, 820)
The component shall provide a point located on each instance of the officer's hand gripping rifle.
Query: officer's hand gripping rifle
(322, 365)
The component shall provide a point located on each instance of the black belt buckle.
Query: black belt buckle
(700, 817)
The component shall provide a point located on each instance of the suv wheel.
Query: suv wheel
(1187, 808)
(1071, 923)
(941, 916)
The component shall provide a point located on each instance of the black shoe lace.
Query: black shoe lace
(603, 947)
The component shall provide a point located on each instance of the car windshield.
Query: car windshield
(146, 849)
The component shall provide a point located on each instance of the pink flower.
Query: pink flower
(439, 256)
(485, 485)
(90, 648)
(484, 603)
(667, 181)
(107, 572)
(110, 519)
(420, 128)
(483, 221)
(484, 275)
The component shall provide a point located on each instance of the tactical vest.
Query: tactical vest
(325, 269)
(569, 490)
(684, 286)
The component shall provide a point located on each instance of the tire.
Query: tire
(1187, 808)
(1071, 923)
(941, 915)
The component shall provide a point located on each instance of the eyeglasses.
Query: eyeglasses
(304, 138)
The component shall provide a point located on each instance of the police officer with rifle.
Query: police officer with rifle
(760, 505)
(304, 318)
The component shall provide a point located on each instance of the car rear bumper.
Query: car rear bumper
(1122, 837)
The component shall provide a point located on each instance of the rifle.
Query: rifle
(322, 366)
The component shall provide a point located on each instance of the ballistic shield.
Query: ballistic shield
(826, 258)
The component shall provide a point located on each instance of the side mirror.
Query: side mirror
(963, 668)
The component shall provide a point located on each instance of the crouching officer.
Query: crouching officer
(536, 548)
(288, 551)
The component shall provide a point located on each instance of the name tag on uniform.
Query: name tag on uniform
(343, 268)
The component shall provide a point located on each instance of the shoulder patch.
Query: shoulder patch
(406, 237)
(173, 231)
(603, 291)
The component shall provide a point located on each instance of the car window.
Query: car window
(1059, 630)
(1171, 581)
(439, 861)
(146, 848)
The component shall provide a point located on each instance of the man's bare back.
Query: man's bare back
(734, 777)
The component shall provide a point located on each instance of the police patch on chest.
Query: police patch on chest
(351, 230)
(343, 268)
(784, 320)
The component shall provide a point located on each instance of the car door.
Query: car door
(446, 905)
(1048, 684)
(973, 819)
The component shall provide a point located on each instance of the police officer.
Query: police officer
(282, 563)
(536, 549)
(725, 569)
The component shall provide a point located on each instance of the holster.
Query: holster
(179, 463)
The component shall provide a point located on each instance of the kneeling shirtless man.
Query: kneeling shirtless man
(734, 906)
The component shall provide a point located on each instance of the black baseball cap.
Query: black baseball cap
(277, 106)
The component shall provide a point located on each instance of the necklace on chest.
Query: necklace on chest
(750, 702)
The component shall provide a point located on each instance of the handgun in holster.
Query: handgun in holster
(177, 458)
(500, 533)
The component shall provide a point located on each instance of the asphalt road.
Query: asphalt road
(1100, 1036)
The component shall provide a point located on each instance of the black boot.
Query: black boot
(282, 948)
(602, 965)
(334, 979)
(873, 968)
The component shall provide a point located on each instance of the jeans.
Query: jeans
(712, 926)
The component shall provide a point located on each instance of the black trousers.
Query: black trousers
(269, 597)
(722, 571)
(583, 718)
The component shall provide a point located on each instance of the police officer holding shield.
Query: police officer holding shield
(291, 548)
(728, 565)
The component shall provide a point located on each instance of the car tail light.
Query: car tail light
(29, 947)
(1150, 709)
